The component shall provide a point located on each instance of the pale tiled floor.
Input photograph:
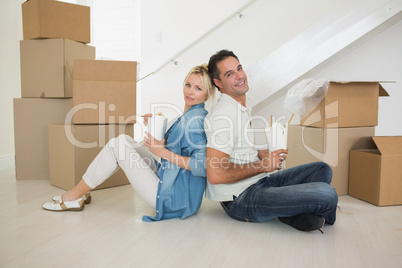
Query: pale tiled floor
(110, 233)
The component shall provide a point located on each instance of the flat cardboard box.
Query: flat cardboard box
(47, 66)
(330, 145)
(347, 104)
(375, 175)
(55, 19)
(72, 148)
(104, 92)
(31, 119)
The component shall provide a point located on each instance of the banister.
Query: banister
(217, 26)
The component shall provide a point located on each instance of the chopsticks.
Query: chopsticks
(291, 118)
(288, 121)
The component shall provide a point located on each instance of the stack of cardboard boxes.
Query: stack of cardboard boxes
(344, 120)
(55, 35)
(340, 132)
(104, 106)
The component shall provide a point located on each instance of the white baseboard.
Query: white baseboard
(7, 161)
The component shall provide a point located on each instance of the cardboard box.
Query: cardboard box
(47, 66)
(31, 119)
(375, 175)
(55, 19)
(347, 104)
(104, 92)
(72, 148)
(330, 145)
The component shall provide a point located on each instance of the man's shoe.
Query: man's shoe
(304, 222)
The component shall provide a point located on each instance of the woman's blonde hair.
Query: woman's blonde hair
(207, 84)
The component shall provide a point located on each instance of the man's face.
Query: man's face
(232, 78)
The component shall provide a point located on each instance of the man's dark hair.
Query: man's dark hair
(215, 59)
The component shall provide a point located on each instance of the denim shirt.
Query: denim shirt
(180, 191)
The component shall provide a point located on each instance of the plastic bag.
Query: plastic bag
(303, 97)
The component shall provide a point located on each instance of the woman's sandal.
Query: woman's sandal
(86, 197)
(60, 205)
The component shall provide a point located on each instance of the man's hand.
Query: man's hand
(221, 171)
(273, 161)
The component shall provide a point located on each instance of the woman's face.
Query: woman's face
(193, 91)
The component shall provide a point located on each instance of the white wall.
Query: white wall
(263, 27)
(115, 28)
(379, 59)
(11, 33)
(167, 27)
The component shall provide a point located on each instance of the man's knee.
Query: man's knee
(330, 194)
(325, 170)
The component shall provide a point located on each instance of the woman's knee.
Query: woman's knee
(121, 139)
(124, 138)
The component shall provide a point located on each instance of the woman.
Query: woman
(174, 187)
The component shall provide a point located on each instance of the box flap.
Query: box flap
(391, 145)
(382, 93)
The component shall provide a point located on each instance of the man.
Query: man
(242, 178)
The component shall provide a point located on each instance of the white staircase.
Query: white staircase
(317, 47)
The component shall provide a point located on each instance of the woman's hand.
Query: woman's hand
(155, 146)
(146, 118)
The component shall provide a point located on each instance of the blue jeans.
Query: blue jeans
(293, 191)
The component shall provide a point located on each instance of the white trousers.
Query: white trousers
(134, 159)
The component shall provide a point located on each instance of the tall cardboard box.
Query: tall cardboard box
(104, 92)
(47, 66)
(347, 104)
(55, 19)
(72, 148)
(31, 119)
(330, 145)
(376, 174)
